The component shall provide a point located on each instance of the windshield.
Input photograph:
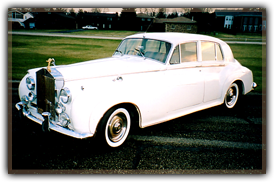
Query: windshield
(146, 48)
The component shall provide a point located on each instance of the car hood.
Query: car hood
(108, 67)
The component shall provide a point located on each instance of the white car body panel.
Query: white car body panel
(159, 91)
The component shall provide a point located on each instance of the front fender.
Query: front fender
(90, 104)
(80, 113)
(98, 110)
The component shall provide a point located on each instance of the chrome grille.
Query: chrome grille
(45, 92)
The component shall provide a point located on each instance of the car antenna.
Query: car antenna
(147, 29)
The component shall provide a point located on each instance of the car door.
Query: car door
(184, 78)
(212, 63)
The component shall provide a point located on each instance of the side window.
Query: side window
(208, 51)
(175, 58)
(211, 52)
(189, 52)
(219, 53)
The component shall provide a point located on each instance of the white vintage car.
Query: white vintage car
(151, 78)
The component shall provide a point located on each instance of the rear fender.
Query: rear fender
(243, 75)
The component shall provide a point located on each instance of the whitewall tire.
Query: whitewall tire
(114, 127)
(232, 96)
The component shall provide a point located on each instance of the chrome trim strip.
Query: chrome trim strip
(198, 66)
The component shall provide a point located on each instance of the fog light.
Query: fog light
(60, 108)
(25, 99)
(64, 119)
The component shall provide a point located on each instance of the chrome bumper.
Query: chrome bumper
(33, 115)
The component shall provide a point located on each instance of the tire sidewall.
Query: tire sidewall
(103, 128)
(237, 96)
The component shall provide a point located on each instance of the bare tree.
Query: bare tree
(60, 9)
(80, 11)
(96, 10)
(99, 10)
(140, 10)
(161, 13)
(105, 10)
(72, 12)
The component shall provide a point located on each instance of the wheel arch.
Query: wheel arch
(134, 111)
(240, 86)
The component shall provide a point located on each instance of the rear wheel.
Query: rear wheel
(232, 96)
(114, 127)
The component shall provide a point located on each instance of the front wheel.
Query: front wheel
(114, 127)
(232, 96)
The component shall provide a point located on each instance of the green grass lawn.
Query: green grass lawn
(254, 58)
(106, 33)
(33, 51)
(124, 33)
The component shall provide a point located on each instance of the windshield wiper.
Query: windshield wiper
(140, 52)
(119, 52)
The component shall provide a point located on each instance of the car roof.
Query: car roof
(175, 38)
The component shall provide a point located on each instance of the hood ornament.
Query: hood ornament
(52, 61)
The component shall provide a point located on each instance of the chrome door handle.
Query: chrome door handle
(119, 78)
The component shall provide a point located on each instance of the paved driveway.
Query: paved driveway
(215, 140)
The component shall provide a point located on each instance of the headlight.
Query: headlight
(31, 96)
(65, 95)
(30, 83)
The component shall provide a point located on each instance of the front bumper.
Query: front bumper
(32, 114)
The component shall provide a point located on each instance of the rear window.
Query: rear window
(208, 51)
(211, 51)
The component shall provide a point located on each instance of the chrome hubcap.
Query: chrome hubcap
(117, 127)
(231, 96)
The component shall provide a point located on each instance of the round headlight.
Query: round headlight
(30, 83)
(32, 96)
(65, 95)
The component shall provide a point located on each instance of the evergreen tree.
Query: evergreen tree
(128, 18)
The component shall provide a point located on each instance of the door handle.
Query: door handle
(118, 78)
